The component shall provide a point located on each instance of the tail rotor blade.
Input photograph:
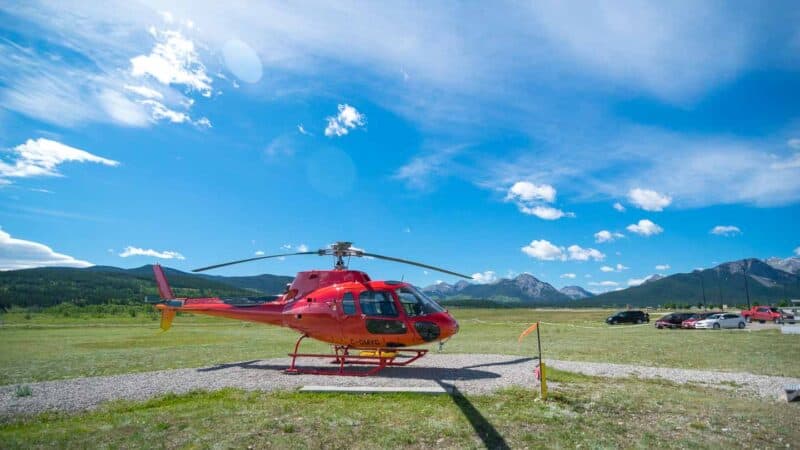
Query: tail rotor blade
(230, 263)
(405, 261)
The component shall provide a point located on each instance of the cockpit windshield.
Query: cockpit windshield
(415, 303)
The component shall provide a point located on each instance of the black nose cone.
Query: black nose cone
(429, 331)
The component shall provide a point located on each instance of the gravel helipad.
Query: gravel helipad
(469, 373)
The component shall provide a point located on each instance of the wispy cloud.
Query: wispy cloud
(41, 157)
(21, 254)
(136, 251)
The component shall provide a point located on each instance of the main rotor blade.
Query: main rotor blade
(405, 261)
(202, 269)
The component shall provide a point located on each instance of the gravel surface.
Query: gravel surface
(469, 373)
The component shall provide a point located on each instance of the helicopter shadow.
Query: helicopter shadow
(409, 372)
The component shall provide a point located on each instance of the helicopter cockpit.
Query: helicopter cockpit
(415, 303)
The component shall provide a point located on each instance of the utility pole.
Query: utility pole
(719, 286)
(746, 286)
(703, 287)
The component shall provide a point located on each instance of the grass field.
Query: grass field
(46, 347)
(584, 412)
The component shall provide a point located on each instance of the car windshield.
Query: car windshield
(415, 303)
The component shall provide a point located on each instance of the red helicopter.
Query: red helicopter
(368, 322)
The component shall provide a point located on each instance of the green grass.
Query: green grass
(47, 347)
(582, 411)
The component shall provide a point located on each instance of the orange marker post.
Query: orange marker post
(542, 370)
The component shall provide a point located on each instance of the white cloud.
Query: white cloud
(568, 275)
(618, 206)
(348, 119)
(544, 250)
(649, 200)
(645, 228)
(725, 230)
(41, 157)
(527, 191)
(794, 143)
(617, 268)
(636, 281)
(486, 277)
(121, 109)
(303, 248)
(578, 253)
(604, 283)
(530, 199)
(144, 91)
(259, 253)
(302, 130)
(663, 267)
(22, 254)
(286, 246)
(136, 251)
(797, 251)
(606, 236)
(173, 61)
(545, 212)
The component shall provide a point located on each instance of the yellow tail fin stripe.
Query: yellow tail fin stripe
(166, 318)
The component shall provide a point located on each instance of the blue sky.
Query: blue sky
(589, 144)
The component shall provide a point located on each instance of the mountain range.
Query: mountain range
(766, 281)
(47, 286)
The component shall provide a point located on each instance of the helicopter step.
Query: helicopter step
(378, 358)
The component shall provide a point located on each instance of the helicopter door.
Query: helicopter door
(382, 316)
(350, 320)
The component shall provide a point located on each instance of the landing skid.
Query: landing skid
(380, 358)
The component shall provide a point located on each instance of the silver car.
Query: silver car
(722, 320)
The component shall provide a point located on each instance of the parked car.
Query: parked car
(689, 323)
(767, 314)
(721, 320)
(672, 320)
(628, 317)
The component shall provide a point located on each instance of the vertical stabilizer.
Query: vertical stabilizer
(164, 291)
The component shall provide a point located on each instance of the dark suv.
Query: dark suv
(673, 320)
(628, 317)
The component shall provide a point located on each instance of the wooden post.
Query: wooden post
(542, 370)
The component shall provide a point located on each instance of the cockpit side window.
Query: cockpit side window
(415, 303)
(377, 303)
(348, 304)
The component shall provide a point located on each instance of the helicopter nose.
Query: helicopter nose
(449, 327)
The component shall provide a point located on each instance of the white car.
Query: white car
(723, 320)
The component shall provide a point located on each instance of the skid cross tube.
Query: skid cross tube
(383, 357)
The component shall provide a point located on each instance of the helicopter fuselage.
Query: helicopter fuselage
(341, 307)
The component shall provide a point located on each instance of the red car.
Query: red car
(766, 314)
(689, 323)
(673, 320)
